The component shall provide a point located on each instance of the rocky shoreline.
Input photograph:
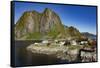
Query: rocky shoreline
(68, 53)
(61, 52)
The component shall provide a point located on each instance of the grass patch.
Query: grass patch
(35, 35)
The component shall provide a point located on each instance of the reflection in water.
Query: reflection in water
(25, 58)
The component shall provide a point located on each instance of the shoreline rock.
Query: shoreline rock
(61, 52)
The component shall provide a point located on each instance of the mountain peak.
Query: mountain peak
(47, 10)
(46, 25)
(34, 25)
(89, 35)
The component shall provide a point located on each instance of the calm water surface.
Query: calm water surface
(26, 58)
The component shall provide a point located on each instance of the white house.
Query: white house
(62, 43)
(83, 42)
(45, 41)
(73, 42)
(56, 41)
(36, 43)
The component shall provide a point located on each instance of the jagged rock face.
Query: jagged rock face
(49, 20)
(32, 21)
(28, 23)
(46, 25)
(46, 21)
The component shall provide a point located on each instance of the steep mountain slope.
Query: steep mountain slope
(72, 32)
(34, 25)
(28, 23)
(45, 25)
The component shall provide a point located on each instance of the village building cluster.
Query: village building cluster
(86, 54)
(67, 42)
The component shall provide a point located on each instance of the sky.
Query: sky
(81, 17)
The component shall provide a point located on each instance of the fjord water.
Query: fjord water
(26, 58)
